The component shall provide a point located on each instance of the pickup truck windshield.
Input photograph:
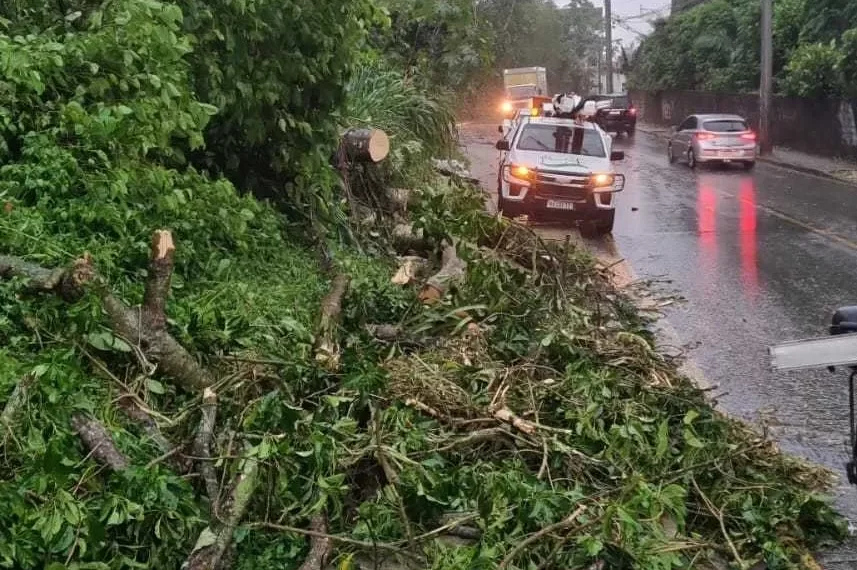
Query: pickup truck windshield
(521, 91)
(562, 139)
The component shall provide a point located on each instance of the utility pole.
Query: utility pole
(766, 82)
(608, 36)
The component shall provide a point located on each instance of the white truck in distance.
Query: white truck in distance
(522, 83)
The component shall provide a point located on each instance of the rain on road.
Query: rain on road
(759, 258)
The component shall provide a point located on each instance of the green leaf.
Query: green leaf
(107, 342)
(154, 386)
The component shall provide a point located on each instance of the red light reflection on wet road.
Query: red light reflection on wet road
(706, 212)
(747, 212)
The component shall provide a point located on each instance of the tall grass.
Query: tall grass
(421, 123)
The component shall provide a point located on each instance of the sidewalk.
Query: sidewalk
(838, 169)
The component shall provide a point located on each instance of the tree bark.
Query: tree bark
(319, 545)
(98, 441)
(202, 449)
(216, 539)
(365, 145)
(327, 343)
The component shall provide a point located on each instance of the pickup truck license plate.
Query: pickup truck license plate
(560, 205)
(615, 112)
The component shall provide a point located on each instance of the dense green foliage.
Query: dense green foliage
(465, 45)
(715, 46)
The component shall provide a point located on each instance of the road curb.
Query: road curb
(654, 131)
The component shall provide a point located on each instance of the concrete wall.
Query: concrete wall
(825, 126)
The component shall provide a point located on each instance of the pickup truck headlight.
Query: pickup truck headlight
(518, 173)
(607, 182)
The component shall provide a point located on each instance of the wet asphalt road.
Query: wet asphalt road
(759, 258)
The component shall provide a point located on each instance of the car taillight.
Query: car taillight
(749, 136)
(704, 136)
(632, 111)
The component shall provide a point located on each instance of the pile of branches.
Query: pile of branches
(483, 400)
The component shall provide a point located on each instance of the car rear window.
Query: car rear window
(619, 102)
(561, 139)
(725, 126)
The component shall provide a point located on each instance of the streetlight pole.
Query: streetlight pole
(766, 82)
(608, 36)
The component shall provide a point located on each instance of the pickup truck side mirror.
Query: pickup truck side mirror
(502, 145)
(617, 155)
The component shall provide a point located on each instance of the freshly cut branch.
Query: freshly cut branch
(451, 273)
(98, 441)
(327, 343)
(320, 544)
(202, 449)
(143, 326)
(215, 539)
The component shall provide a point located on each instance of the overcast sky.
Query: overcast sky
(629, 11)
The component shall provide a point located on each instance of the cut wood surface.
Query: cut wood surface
(366, 145)
(450, 274)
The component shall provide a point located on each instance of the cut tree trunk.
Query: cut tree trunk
(365, 145)
(327, 336)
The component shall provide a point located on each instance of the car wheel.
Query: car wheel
(749, 165)
(630, 132)
(670, 153)
(691, 159)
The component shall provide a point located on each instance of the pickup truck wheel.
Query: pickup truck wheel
(506, 209)
(601, 225)
(630, 131)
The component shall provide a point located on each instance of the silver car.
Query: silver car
(720, 139)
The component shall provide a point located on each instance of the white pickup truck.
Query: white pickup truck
(561, 166)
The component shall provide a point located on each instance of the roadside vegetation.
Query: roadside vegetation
(716, 47)
(217, 350)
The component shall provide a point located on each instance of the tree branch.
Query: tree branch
(98, 441)
(215, 539)
(320, 544)
(202, 449)
(158, 281)
(138, 325)
(327, 345)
